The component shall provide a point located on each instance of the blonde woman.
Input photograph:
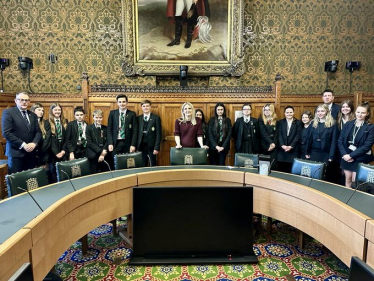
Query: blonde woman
(43, 146)
(188, 128)
(268, 123)
(322, 136)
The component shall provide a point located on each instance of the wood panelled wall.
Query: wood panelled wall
(168, 106)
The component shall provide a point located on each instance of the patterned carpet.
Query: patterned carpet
(278, 254)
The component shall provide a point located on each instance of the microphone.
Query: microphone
(110, 170)
(312, 178)
(228, 162)
(149, 158)
(31, 197)
(69, 179)
(356, 190)
(271, 163)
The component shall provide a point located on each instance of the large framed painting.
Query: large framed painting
(161, 35)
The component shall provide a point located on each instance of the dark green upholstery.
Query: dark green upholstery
(188, 156)
(74, 168)
(246, 160)
(128, 160)
(308, 168)
(29, 180)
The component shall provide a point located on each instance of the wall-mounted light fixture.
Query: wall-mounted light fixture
(26, 64)
(352, 66)
(330, 66)
(4, 63)
(183, 75)
(52, 58)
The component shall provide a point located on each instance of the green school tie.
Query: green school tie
(122, 131)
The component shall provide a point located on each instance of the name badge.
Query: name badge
(352, 147)
(318, 139)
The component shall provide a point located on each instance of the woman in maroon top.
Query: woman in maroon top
(188, 128)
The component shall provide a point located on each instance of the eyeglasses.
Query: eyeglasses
(23, 100)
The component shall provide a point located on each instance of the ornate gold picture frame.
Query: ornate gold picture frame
(147, 30)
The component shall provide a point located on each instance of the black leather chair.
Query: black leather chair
(28, 180)
(188, 156)
(74, 168)
(364, 178)
(308, 168)
(128, 160)
(246, 160)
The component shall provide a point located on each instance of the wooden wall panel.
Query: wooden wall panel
(168, 106)
(105, 107)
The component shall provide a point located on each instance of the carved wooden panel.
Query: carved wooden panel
(105, 107)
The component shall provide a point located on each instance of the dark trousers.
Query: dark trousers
(121, 147)
(80, 152)
(52, 174)
(147, 154)
(217, 158)
(19, 164)
(98, 167)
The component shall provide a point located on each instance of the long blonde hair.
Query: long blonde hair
(330, 121)
(52, 118)
(193, 117)
(273, 116)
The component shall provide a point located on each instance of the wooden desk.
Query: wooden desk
(68, 215)
(335, 224)
(14, 252)
(370, 237)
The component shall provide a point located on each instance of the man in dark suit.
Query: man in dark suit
(76, 135)
(328, 98)
(122, 128)
(246, 132)
(149, 134)
(97, 147)
(20, 128)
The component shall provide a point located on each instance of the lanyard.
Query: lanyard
(355, 131)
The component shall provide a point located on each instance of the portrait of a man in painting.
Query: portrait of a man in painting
(177, 30)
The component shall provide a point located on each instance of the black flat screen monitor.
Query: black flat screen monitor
(192, 225)
(360, 271)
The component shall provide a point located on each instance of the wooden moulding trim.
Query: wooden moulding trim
(189, 175)
(342, 240)
(321, 200)
(14, 252)
(76, 224)
(369, 234)
(370, 256)
(172, 96)
(48, 219)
